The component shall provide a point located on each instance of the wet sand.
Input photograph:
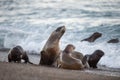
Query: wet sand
(15, 71)
(20, 71)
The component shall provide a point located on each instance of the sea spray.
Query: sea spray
(30, 23)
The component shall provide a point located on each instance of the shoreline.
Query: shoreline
(102, 73)
(17, 71)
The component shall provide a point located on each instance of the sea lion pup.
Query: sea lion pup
(94, 58)
(113, 40)
(67, 61)
(51, 50)
(76, 55)
(16, 54)
(93, 37)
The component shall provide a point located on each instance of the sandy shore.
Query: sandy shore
(20, 71)
(15, 71)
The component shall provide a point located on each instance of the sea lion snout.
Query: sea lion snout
(62, 28)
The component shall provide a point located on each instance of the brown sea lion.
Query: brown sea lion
(67, 61)
(94, 58)
(93, 37)
(51, 50)
(113, 40)
(16, 54)
(76, 55)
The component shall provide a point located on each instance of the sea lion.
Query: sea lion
(51, 50)
(67, 61)
(76, 55)
(93, 37)
(113, 40)
(94, 58)
(16, 54)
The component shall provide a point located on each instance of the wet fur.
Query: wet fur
(94, 58)
(113, 41)
(93, 37)
(16, 54)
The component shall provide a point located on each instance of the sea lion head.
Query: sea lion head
(57, 34)
(69, 48)
(113, 40)
(97, 34)
(94, 58)
(99, 53)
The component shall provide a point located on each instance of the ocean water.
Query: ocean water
(29, 23)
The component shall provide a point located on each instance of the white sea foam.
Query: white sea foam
(29, 23)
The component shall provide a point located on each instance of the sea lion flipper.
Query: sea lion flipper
(43, 57)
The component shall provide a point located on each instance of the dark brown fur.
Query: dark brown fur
(25, 57)
(16, 54)
(113, 40)
(51, 50)
(94, 58)
(93, 37)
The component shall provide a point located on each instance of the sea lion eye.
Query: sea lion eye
(58, 29)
